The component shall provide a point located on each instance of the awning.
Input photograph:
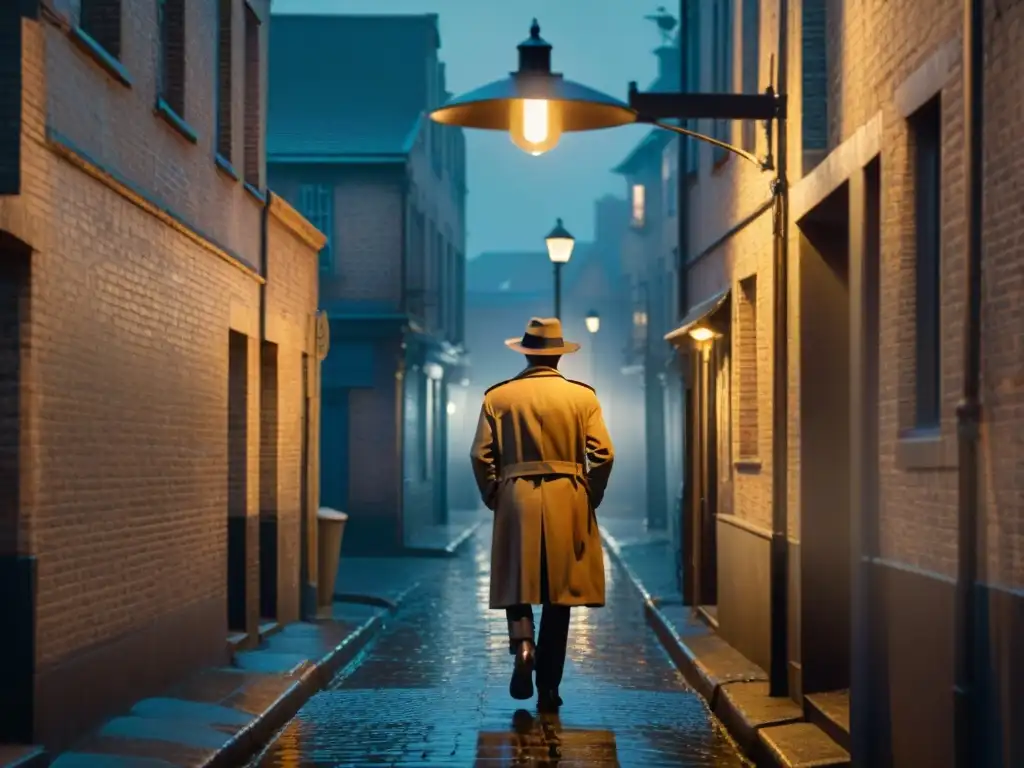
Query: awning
(703, 311)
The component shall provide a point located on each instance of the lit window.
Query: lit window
(639, 205)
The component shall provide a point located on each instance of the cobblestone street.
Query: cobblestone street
(433, 689)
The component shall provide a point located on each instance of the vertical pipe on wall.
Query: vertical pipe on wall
(682, 182)
(779, 563)
(969, 409)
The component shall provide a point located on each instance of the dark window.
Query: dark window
(101, 20)
(751, 61)
(692, 31)
(814, 99)
(316, 203)
(171, 20)
(251, 169)
(722, 34)
(224, 96)
(745, 350)
(926, 135)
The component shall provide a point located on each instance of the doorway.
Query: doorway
(269, 436)
(824, 565)
(238, 478)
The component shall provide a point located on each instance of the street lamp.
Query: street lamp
(560, 244)
(536, 106)
(593, 321)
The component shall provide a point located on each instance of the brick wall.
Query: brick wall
(291, 301)
(720, 196)
(138, 273)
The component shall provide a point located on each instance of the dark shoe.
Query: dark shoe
(548, 700)
(521, 686)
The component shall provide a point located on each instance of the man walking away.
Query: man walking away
(542, 458)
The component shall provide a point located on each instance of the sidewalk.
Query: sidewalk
(771, 731)
(446, 540)
(222, 716)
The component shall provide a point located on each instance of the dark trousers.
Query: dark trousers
(554, 630)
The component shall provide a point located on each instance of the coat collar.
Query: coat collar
(539, 370)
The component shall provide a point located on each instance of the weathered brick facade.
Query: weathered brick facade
(872, 490)
(388, 187)
(139, 255)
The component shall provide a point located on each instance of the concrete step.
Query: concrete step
(801, 745)
(22, 756)
(830, 711)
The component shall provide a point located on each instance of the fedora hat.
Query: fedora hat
(543, 337)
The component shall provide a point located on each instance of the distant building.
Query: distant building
(158, 360)
(506, 289)
(650, 260)
(349, 144)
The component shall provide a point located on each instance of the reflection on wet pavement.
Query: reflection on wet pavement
(434, 690)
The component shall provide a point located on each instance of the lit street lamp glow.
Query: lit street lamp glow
(560, 244)
(534, 126)
(535, 105)
(701, 333)
(593, 321)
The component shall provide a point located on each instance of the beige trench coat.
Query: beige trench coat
(542, 458)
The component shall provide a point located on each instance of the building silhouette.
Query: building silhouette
(349, 144)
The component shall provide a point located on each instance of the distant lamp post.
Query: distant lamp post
(593, 321)
(560, 244)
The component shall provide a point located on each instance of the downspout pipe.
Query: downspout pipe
(968, 411)
(682, 179)
(779, 558)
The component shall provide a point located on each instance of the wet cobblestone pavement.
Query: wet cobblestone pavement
(433, 690)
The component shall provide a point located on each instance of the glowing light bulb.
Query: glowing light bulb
(535, 125)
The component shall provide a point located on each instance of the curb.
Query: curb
(260, 732)
(453, 548)
(685, 660)
(682, 656)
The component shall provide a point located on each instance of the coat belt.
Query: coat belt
(535, 468)
(561, 469)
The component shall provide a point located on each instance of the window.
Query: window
(668, 176)
(639, 205)
(693, 38)
(722, 51)
(171, 23)
(316, 203)
(251, 169)
(926, 135)
(101, 20)
(814, 96)
(746, 364)
(225, 16)
(751, 59)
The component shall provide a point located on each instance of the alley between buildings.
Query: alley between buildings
(433, 689)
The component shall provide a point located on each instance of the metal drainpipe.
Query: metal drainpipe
(969, 410)
(682, 182)
(264, 262)
(779, 564)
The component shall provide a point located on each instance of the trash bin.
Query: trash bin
(330, 530)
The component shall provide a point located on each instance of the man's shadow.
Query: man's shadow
(541, 740)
